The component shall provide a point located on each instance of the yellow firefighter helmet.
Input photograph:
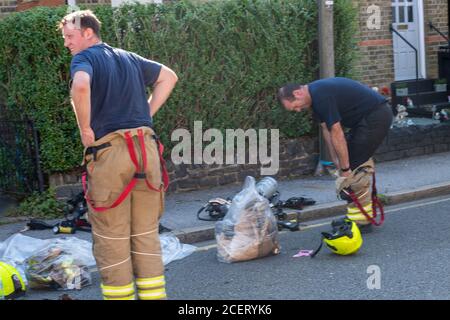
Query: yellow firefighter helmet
(13, 285)
(344, 239)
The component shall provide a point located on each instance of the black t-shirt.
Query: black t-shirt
(118, 82)
(342, 99)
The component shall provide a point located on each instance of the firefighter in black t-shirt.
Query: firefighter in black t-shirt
(339, 104)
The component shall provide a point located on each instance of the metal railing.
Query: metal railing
(432, 27)
(20, 169)
(391, 29)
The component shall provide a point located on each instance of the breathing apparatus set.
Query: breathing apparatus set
(267, 187)
(74, 218)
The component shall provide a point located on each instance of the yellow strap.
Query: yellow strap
(130, 297)
(367, 208)
(150, 282)
(359, 216)
(118, 290)
(160, 294)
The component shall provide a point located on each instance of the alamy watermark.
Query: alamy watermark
(374, 280)
(231, 150)
(374, 20)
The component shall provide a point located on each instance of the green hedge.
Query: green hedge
(230, 56)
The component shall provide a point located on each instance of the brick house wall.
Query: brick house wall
(23, 5)
(435, 11)
(375, 66)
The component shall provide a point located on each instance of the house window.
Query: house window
(410, 14)
(402, 11)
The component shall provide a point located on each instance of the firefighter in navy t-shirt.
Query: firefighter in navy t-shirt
(339, 104)
(126, 176)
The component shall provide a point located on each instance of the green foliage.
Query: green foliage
(40, 205)
(440, 81)
(345, 42)
(230, 56)
(34, 67)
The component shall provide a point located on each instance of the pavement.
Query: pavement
(399, 181)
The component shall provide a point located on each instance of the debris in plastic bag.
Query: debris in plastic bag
(172, 249)
(60, 263)
(56, 268)
(18, 247)
(249, 229)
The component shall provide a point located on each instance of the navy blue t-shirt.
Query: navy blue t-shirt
(118, 82)
(342, 99)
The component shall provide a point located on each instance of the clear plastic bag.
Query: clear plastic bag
(249, 229)
(60, 263)
(18, 247)
(56, 268)
(172, 249)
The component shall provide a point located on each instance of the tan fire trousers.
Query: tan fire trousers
(126, 242)
(360, 182)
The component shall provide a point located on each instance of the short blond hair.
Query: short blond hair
(82, 19)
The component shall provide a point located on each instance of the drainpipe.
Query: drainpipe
(327, 68)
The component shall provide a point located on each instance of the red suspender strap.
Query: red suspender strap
(144, 160)
(118, 201)
(130, 186)
(129, 141)
(375, 203)
(144, 154)
(127, 189)
(163, 165)
(165, 175)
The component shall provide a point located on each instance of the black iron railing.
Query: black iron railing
(20, 170)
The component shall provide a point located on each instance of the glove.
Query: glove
(358, 181)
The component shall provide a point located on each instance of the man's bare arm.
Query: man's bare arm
(329, 144)
(162, 89)
(340, 146)
(81, 102)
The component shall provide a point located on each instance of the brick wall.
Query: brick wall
(414, 141)
(8, 6)
(23, 5)
(297, 159)
(93, 1)
(435, 11)
(376, 64)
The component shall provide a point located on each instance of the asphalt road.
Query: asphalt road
(407, 258)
